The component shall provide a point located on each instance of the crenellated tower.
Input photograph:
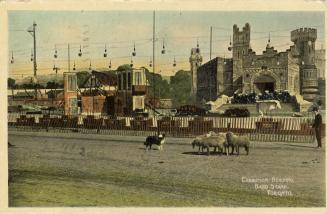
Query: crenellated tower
(241, 46)
(304, 40)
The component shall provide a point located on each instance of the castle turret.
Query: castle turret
(241, 45)
(195, 62)
(304, 40)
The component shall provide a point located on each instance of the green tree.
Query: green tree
(11, 83)
(52, 85)
(124, 67)
(162, 88)
(180, 86)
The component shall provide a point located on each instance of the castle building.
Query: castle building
(293, 70)
(214, 78)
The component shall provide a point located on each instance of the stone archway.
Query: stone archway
(265, 80)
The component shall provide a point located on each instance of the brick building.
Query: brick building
(98, 93)
(131, 91)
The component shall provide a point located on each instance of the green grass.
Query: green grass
(118, 188)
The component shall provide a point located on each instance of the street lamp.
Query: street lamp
(105, 51)
(12, 57)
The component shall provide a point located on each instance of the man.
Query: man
(317, 125)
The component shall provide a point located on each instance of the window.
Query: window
(137, 76)
(124, 81)
(119, 82)
(72, 82)
(129, 81)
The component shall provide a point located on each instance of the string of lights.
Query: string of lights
(87, 47)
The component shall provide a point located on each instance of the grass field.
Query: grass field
(51, 172)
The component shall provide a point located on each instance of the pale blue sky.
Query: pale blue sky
(119, 29)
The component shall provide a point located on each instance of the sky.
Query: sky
(118, 31)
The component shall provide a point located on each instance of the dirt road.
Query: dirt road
(49, 171)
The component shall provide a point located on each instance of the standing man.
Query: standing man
(317, 125)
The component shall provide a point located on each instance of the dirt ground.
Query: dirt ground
(49, 171)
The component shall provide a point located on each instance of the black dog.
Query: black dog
(157, 140)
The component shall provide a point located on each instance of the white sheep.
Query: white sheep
(236, 142)
(218, 141)
(197, 141)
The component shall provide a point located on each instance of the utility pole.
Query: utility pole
(153, 63)
(210, 41)
(153, 69)
(32, 32)
(68, 58)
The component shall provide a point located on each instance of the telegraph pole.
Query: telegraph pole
(32, 32)
(210, 41)
(153, 69)
(153, 63)
(68, 58)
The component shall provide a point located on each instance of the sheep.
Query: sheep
(197, 140)
(236, 142)
(216, 141)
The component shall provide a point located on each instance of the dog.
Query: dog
(157, 140)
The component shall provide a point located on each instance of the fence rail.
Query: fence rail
(288, 129)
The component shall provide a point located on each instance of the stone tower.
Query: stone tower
(195, 62)
(241, 45)
(304, 40)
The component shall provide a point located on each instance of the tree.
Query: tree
(124, 67)
(52, 85)
(162, 89)
(180, 86)
(11, 83)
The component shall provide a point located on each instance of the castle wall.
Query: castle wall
(320, 62)
(207, 81)
(293, 82)
(270, 64)
(214, 79)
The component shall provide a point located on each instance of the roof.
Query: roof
(103, 78)
(106, 77)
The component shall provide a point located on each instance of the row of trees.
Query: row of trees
(178, 89)
(50, 85)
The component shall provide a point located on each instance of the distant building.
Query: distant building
(293, 70)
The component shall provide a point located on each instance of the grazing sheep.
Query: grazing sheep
(197, 141)
(218, 141)
(236, 142)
